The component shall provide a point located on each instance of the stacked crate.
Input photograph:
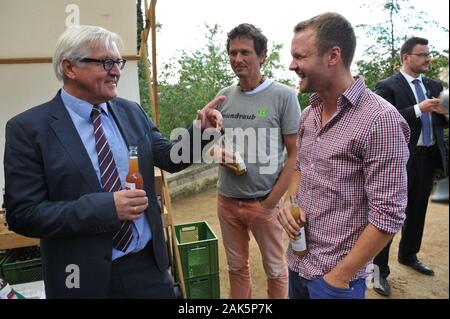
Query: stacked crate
(21, 265)
(197, 245)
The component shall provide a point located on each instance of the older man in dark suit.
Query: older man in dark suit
(416, 98)
(65, 167)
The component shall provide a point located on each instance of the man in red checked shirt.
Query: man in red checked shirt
(350, 179)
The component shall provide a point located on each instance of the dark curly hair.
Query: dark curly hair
(251, 32)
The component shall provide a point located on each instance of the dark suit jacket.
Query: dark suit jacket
(52, 192)
(397, 91)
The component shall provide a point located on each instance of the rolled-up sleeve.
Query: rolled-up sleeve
(385, 171)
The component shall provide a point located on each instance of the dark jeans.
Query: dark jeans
(301, 288)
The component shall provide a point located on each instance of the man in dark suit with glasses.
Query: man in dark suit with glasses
(416, 98)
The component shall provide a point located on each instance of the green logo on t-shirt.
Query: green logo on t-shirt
(262, 113)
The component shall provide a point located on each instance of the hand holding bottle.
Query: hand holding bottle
(298, 243)
(131, 202)
(289, 223)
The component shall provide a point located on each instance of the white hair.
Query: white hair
(76, 42)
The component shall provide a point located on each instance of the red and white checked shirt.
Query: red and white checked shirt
(353, 173)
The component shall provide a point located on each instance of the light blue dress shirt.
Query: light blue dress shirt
(80, 113)
(410, 80)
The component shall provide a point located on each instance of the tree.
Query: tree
(192, 79)
(143, 82)
(382, 58)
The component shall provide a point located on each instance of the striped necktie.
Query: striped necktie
(109, 176)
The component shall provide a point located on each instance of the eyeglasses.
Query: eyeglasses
(108, 63)
(422, 55)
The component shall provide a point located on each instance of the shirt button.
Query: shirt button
(318, 139)
(312, 165)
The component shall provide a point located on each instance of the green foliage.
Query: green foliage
(272, 62)
(143, 83)
(438, 65)
(401, 20)
(382, 59)
(140, 23)
(192, 79)
(144, 88)
(303, 99)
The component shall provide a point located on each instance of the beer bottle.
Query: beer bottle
(298, 244)
(239, 168)
(134, 179)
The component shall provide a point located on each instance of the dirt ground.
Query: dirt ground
(405, 282)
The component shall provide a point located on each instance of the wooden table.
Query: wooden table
(10, 240)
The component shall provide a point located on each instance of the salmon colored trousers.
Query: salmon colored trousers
(237, 218)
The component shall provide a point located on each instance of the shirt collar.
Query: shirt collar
(409, 78)
(80, 107)
(264, 85)
(351, 95)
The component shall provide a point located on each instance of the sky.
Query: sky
(183, 21)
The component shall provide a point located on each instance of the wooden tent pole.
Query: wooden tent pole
(153, 89)
(154, 66)
(144, 58)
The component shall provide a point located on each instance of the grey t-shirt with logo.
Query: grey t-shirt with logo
(254, 123)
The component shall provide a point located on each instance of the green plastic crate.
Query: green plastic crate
(22, 265)
(3, 254)
(203, 287)
(197, 245)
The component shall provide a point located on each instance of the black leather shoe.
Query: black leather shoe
(382, 287)
(417, 265)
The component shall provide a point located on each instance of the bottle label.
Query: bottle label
(7, 293)
(130, 185)
(299, 244)
(239, 160)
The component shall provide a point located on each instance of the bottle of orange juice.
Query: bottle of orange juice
(134, 179)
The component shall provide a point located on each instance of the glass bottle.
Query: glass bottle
(298, 244)
(6, 291)
(239, 168)
(134, 179)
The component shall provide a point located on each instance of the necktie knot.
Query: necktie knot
(96, 111)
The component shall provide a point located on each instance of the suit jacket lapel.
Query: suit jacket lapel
(405, 87)
(66, 132)
(119, 117)
(430, 88)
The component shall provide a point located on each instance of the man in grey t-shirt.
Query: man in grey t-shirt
(260, 119)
